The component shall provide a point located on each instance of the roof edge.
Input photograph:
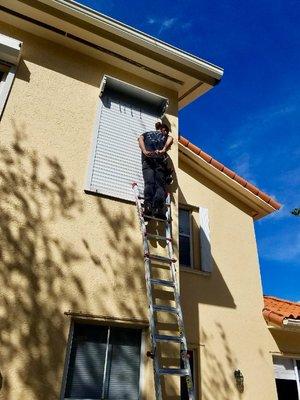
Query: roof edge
(212, 69)
(251, 192)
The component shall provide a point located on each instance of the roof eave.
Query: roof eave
(136, 35)
(259, 207)
(81, 28)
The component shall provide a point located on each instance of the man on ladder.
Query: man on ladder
(154, 146)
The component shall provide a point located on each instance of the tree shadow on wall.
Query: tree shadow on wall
(215, 381)
(34, 263)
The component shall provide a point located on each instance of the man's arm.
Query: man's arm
(143, 148)
(167, 145)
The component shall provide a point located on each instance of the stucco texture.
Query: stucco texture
(61, 249)
(222, 310)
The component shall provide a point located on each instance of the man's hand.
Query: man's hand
(148, 153)
(160, 152)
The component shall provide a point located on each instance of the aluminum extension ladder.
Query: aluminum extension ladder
(150, 259)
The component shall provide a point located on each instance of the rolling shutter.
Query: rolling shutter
(123, 374)
(86, 365)
(104, 363)
(125, 112)
(284, 368)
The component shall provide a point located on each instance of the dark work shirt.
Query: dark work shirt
(154, 140)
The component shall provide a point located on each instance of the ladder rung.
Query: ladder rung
(168, 338)
(165, 309)
(157, 237)
(142, 198)
(160, 258)
(156, 219)
(173, 371)
(162, 282)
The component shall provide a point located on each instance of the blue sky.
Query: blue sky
(251, 121)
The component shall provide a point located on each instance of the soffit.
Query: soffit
(103, 38)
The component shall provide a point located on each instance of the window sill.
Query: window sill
(194, 271)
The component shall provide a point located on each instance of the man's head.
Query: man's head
(165, 129)
(158, 126)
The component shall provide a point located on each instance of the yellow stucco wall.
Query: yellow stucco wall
(223, 310)
(61, 249)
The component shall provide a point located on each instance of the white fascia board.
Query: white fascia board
(94, 17)
(10, 49)
(227, 183)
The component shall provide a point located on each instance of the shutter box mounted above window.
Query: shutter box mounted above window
(124, 113)
(10, 49)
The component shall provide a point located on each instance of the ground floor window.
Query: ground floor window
(183, 387)
(103, 363)
(287, 372)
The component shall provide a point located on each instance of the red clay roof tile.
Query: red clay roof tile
(209, 159)
(277, 310)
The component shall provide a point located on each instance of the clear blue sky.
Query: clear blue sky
(251, 121)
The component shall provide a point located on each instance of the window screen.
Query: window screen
(104, 363)
(184, 238)
(116, 157)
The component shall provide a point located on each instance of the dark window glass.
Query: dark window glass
(91, 346)
(183, 387)
(184, 238)
(287, 389)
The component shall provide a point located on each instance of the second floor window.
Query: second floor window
(194, 238)
(185, 238)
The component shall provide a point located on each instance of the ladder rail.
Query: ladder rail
(147, 263)
(153, 308)
(183, 343)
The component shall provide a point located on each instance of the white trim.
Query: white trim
(297, 376)
(205, 245)
(93, 146)
(6, 85)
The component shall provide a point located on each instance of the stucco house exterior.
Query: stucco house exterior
(77, 88)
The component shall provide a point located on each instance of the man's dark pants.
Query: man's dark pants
(154, 173)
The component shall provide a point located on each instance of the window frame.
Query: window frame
(103, 324)
(194, 350)
(6, 83)
(190, 236)
(296, 370)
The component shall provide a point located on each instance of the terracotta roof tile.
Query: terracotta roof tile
(209, 159)
(277, 310)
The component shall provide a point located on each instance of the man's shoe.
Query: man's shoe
(148, 210)
(159, 214)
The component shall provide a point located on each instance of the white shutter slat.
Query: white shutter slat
(116, 159)
(205, 245)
